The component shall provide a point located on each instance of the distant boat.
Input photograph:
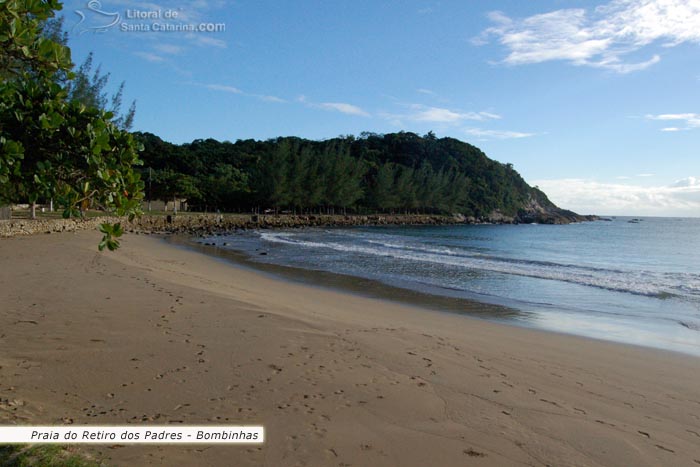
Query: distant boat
(634, 221)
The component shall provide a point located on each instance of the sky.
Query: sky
(595, 102)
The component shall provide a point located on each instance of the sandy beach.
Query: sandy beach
(156, 334)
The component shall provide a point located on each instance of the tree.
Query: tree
(88, 88)
(69, 152)
(50, 145)
(24, 51)
(406, 189)
(346, 175)
(373, 172)
(273, 175)
(222, 188)
(84, 85)
(381, 193)
(22, 47)
(170, 184)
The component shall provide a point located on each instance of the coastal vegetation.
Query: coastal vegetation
(390, 173)
(57, 139)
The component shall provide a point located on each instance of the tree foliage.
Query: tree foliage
(88, 88)
(398, 172)
(66, 151)
(51, 146)
(22, 46)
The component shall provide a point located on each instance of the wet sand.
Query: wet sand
(156, 334)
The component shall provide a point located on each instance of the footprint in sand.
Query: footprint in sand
(664, 448)
(603, 422)
(473, 453)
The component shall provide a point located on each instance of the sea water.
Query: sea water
(625, 280)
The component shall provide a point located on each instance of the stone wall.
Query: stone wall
(205, 224)
(18, 227)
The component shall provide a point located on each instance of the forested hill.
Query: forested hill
(397, 172)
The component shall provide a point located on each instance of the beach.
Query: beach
(157, 334)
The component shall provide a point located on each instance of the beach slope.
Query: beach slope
(155, 334)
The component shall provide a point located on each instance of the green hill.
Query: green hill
(393, 173)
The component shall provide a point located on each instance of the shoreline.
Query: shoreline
(490, 308)
(491, 312)
(157, 334)
(348, 284)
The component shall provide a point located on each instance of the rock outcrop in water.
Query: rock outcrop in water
(536, 211)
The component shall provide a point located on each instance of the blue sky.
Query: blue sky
(595, 102)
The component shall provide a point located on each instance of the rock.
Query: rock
(207, 225)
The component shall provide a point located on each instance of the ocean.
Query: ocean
(625, 280)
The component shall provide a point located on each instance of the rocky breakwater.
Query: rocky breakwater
(206, 224)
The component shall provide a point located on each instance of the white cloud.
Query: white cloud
(151, 57)
(203, 40)
(425, 91)
(342, 107)
(267, 98)
(691, 120)
(602, 37)
(682, 198)
(687, 182)
(488, 116)
(496, 134)
(169, 49)
(438, 115)
(695, 118)
(224, 88)
(235, 90)
(428, 114)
